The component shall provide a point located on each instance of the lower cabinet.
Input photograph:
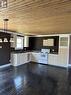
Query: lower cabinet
(20, 58)
(60, 59)
(35, 57)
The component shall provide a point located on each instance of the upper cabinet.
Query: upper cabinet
(18, 42)
(26, 41)
(63, 42)
(13, 44)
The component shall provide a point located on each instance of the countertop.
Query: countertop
(25, 51)
(22, 51)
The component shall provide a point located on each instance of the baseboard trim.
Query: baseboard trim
(3, 66)
(51, 65)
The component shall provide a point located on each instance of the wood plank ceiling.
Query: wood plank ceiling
(38, 16)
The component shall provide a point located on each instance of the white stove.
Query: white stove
(44, 56)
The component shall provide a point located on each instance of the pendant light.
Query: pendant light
(0, 40)
(11, 40)
(5, 28)
(6, 24)
(5, 40)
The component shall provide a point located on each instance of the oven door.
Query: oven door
(43, 58)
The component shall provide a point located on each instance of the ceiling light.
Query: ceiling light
(3, 3)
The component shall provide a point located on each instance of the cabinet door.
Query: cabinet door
(63, 42)
(26, 41)
(52, 59)
(35, 57)
(18, 59)
(15, 59)
(60, 59)
(26, 58)
(29, 57)
(23, 58)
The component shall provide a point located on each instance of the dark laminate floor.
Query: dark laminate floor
(35, 79)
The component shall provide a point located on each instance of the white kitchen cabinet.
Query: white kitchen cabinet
(17, 42)
(15, 59)
(64, 41)
(20, 58)
(26, 41)
(35, 56)
(60, 59)
(28, 56)
(53, 59)
(23, 58)
(13, 44)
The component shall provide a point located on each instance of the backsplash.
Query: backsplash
(36, 43)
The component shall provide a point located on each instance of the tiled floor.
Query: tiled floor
(35, 79)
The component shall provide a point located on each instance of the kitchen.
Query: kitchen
(35, 47)
(49, 49)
